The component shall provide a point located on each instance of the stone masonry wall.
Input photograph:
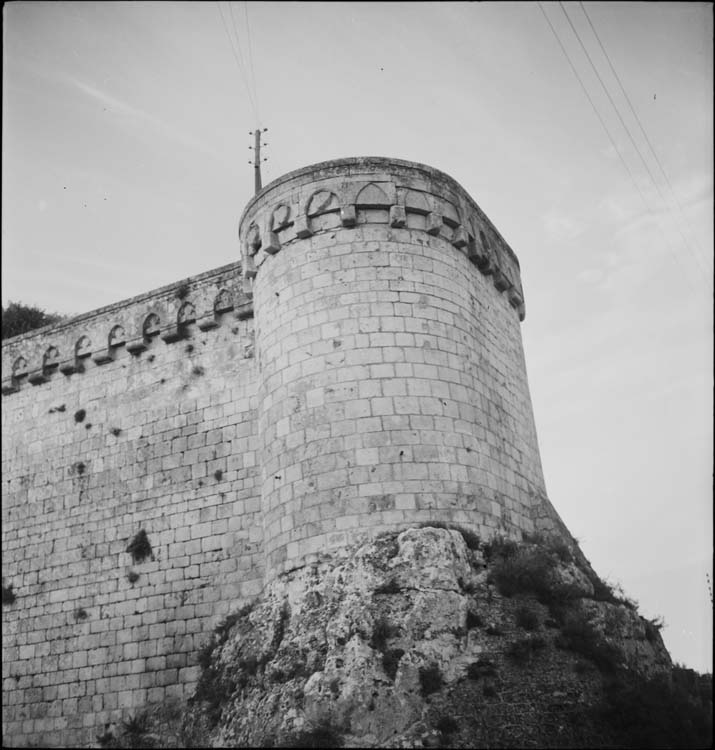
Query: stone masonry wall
(393, 386)
(388, 388)
(140, 416)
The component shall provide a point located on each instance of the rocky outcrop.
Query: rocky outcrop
(423, 638)
(431, 638)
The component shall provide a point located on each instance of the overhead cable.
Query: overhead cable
(608, 133)
(638, 120)
(238, 63)
(626, 128)
(250, 59)
(595, 109)
(254, 98)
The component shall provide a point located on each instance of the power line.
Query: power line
(240, 54)
(608, 133)
(250, 58)
(626, 128)
(595, 109)
(238, 63)
(637, 119)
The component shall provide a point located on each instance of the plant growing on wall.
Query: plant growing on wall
(8, 595)
(140, 548)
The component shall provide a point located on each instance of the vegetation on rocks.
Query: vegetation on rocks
(424, 639)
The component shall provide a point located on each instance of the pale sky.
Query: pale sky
(125, 150)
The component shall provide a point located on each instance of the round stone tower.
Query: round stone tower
(393, 387)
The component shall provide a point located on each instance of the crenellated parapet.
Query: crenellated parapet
(168, 314)
(371, 190)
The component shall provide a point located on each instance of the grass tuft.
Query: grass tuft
(391, 661)
(522, 651)
(8, 595)
(321, 735)
(527, 617)
(430, 679)
(390, 587)
(579, 635)
(140, 547)
(447, 725)
(381, 633)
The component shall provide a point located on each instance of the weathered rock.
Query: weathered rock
(365, 649)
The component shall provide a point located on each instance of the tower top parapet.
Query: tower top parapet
(376, 190)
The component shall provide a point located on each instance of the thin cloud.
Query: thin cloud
(125, 109)
(561, 227)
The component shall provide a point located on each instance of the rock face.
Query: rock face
(408, 642)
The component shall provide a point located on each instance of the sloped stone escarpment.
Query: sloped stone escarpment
(420, 639)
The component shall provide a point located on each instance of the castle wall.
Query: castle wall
(381, 384)
(393, 387)
(166, 443)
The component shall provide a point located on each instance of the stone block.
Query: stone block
(270, 243)
(434, 223)
(398, 217)
(302, 227)
(348, 216)
(136, 346)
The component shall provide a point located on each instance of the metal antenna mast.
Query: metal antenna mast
(257, 156)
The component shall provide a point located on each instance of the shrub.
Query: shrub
(530, 571)
(8, 595)
(499, 547)
(224, 626)
(18, 318)
(430, 679)
(481, 668)
(79, 415)
(387, 544)
(471, 539)
(249, 664)
(322, 735)
(134, 728)
(391, 587)
(132, 577)
(447, 725)
(80, 614)
(580, 636)
(197, 371)
(583, 667)
(213, 689)
(474, 620)
(115, 431)
(611, 593)
(381, 633)
(522, 651)
(218, 475)
(489, 690)
(182, 292)
(106, 737)
(140, 548)
(203, 657)
(391, 661)
(655, 713)
(653, 628)
(552, 543)
(468, 587)
(527, 617)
